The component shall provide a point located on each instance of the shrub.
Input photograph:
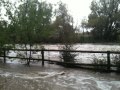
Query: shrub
(116, 61)
(99, 62)
(66, 56)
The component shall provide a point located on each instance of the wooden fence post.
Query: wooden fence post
(42, 52)
(4, 52)
(30, 54)
(108, 60)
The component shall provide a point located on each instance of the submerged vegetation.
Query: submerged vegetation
(116, 61)
(99, 63)
(66, 55)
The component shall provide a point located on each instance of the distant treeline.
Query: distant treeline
(34, 21)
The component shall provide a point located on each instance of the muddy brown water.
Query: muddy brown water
(16, 76)
(54, 77)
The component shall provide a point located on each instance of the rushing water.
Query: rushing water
(52, 77)
(16, 76)
(80, 57)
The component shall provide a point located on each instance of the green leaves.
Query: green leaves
(104, 19)
(63, 25)
(29, 19)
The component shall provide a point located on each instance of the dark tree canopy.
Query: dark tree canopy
(29, 21)
(105, 20)
(63, 24)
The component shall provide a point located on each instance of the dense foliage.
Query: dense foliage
(104, 20)
(34, 21)
(30, 21)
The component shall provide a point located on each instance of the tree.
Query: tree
(34, 19)
(29, 21)
(83, 26)
(4, 39)
(65, 32)
(3, 27)
(64, 24)
(104, 19)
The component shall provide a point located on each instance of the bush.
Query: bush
(66, 56)
(116, 61)
(99, 62)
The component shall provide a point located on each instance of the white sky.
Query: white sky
(79, 9)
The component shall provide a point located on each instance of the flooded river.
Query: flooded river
(53, 77)
(16, 76)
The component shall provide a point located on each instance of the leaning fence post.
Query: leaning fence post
(42, 52)
(108, 60)
(4, 52)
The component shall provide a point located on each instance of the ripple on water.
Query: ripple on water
(65, 79)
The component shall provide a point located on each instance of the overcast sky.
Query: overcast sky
(79, 9)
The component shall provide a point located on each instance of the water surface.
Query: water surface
(16, 76)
